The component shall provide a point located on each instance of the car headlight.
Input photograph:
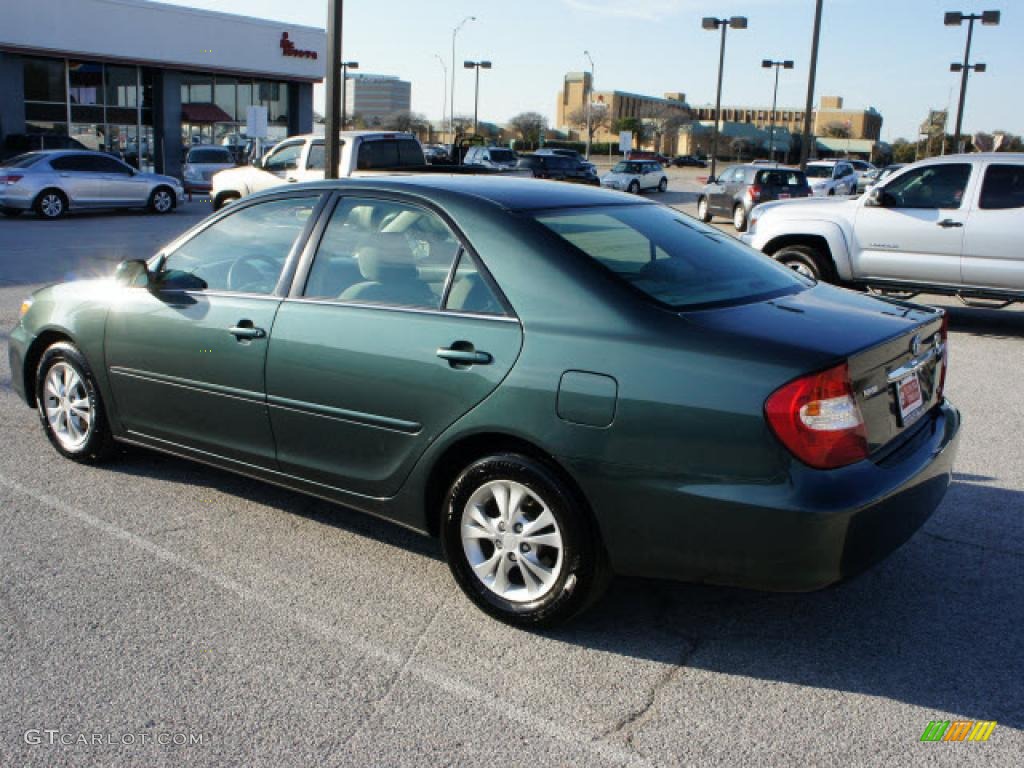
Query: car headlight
(26, 305)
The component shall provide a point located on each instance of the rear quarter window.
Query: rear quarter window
(1003, 187)
(781, 179)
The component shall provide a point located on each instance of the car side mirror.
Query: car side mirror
(133, 273)
(257, 162)
(712, 180)
(873, 199)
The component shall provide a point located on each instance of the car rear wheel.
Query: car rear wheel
(162, 200)
(51, 204)
(805, 260)
(663, 184)
(702, 210)
(739, 218)
(832, 192)
(634, 187)
(69, 405)
(520, 543)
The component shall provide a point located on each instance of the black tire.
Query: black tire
(663, 184)
(583, 572)
(98, 443)
(634, 188)
(51, 204)
(806, 260)
(832, 192)
(162, 200)
(11, 213)
(224, 198)
(739, 217)
(705, 213)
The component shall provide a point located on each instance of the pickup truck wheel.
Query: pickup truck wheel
(739, 218)
(702, 210)
(805, 260)
(224, 198)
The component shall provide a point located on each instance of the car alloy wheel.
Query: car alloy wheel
(520, 542)
(634, 188)
(68, 409)
(51, 205)
(739, 218)
(702, 210)
(663, 184)
(162, 201)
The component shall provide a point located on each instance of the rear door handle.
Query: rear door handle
(947, 223)
(464, 356)
(243, 331)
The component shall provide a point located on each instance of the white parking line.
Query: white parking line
(437, 677)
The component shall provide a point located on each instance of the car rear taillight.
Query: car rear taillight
(944, 358)
(754, 192)
(817, 418)
(10, 179)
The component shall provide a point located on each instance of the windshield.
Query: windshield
(626, 168)
(671, 257)
(503, 156)
(819, 171)
(209, 156)
(22, 161)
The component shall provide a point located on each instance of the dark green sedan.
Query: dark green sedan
(560, 382)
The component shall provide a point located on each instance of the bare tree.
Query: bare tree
(529, 126)
(837, 130)
(600, 118)
(405, 120)
(662, 120)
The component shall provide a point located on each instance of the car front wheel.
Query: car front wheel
(51, 204)
(663, 184)
(520, 543)
(69, 405)
(739, 218)
(702, 210)
(161, 201)
(805, 260)
(634, 187)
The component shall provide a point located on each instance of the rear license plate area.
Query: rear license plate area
(909, 398)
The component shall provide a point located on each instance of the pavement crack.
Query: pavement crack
(982, 547)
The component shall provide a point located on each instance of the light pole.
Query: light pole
(477, 65)
(805, 144)
(589, 93)
(444, 88)
(455, 31)
(345, 67)
(768, 64)
(712, 23)
(955, 19)
(332, 146)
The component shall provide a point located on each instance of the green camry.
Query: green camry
(560, 382)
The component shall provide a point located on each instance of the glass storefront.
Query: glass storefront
(109, 107)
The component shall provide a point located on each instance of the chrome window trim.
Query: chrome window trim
(399, 308)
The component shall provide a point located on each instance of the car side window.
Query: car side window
(383, 252)
(1003, 187)
(930, 187)
(102, 164)
(470, 291)
(243, 252)
(74, 163)
(284, 158)
(315, 160)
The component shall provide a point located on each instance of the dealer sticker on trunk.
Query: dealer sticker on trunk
(908, 393)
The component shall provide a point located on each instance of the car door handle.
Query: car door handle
(243, 331)
(947, 223)
(463, 355)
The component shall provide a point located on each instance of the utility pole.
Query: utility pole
(589, 93)
(444, 88)
(332, 121)
(712, 23)
(455, 31)
(768, 64)
(345, 67)
(805, 144)
(955, 19)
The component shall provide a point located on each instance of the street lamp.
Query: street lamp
(712, 23)
(455, 31)
(955, 19)
(589, 93)
(345, 67)
(444, 88)
(477, 65)
(768, 64)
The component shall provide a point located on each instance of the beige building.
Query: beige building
(861, 123)
(621, 104)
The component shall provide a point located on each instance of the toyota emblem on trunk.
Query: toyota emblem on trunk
(915, 344)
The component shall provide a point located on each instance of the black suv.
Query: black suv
(740, 187)
(683, 161)
(559, 168)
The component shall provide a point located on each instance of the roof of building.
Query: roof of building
(845, 145)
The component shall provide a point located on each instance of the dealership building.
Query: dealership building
(146, 80)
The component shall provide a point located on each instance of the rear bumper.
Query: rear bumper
(16, 199)
(800, 532)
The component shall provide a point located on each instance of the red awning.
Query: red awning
(204, 113)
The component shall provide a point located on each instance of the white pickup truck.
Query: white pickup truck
(301, 158)
(949, 225)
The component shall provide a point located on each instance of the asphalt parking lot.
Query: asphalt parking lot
(152, 596)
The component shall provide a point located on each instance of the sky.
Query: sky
(893, 55)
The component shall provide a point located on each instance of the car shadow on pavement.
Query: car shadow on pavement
(936, 625)
(673, 197)
(996, 323)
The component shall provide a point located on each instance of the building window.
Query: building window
(122, 86)
(85, 84)
(44, 80)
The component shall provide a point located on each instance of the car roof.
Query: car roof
(510, 192)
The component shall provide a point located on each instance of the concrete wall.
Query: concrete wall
(167, 122)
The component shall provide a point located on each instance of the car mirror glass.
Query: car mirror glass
(874, 199)
(133, 273)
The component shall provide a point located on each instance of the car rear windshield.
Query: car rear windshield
(503, 156)
(819, 171)
(389, 153)
(670, 257)
(22, 161)
(209, 156)
(781, 179)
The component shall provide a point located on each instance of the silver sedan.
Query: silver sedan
(53, 182)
